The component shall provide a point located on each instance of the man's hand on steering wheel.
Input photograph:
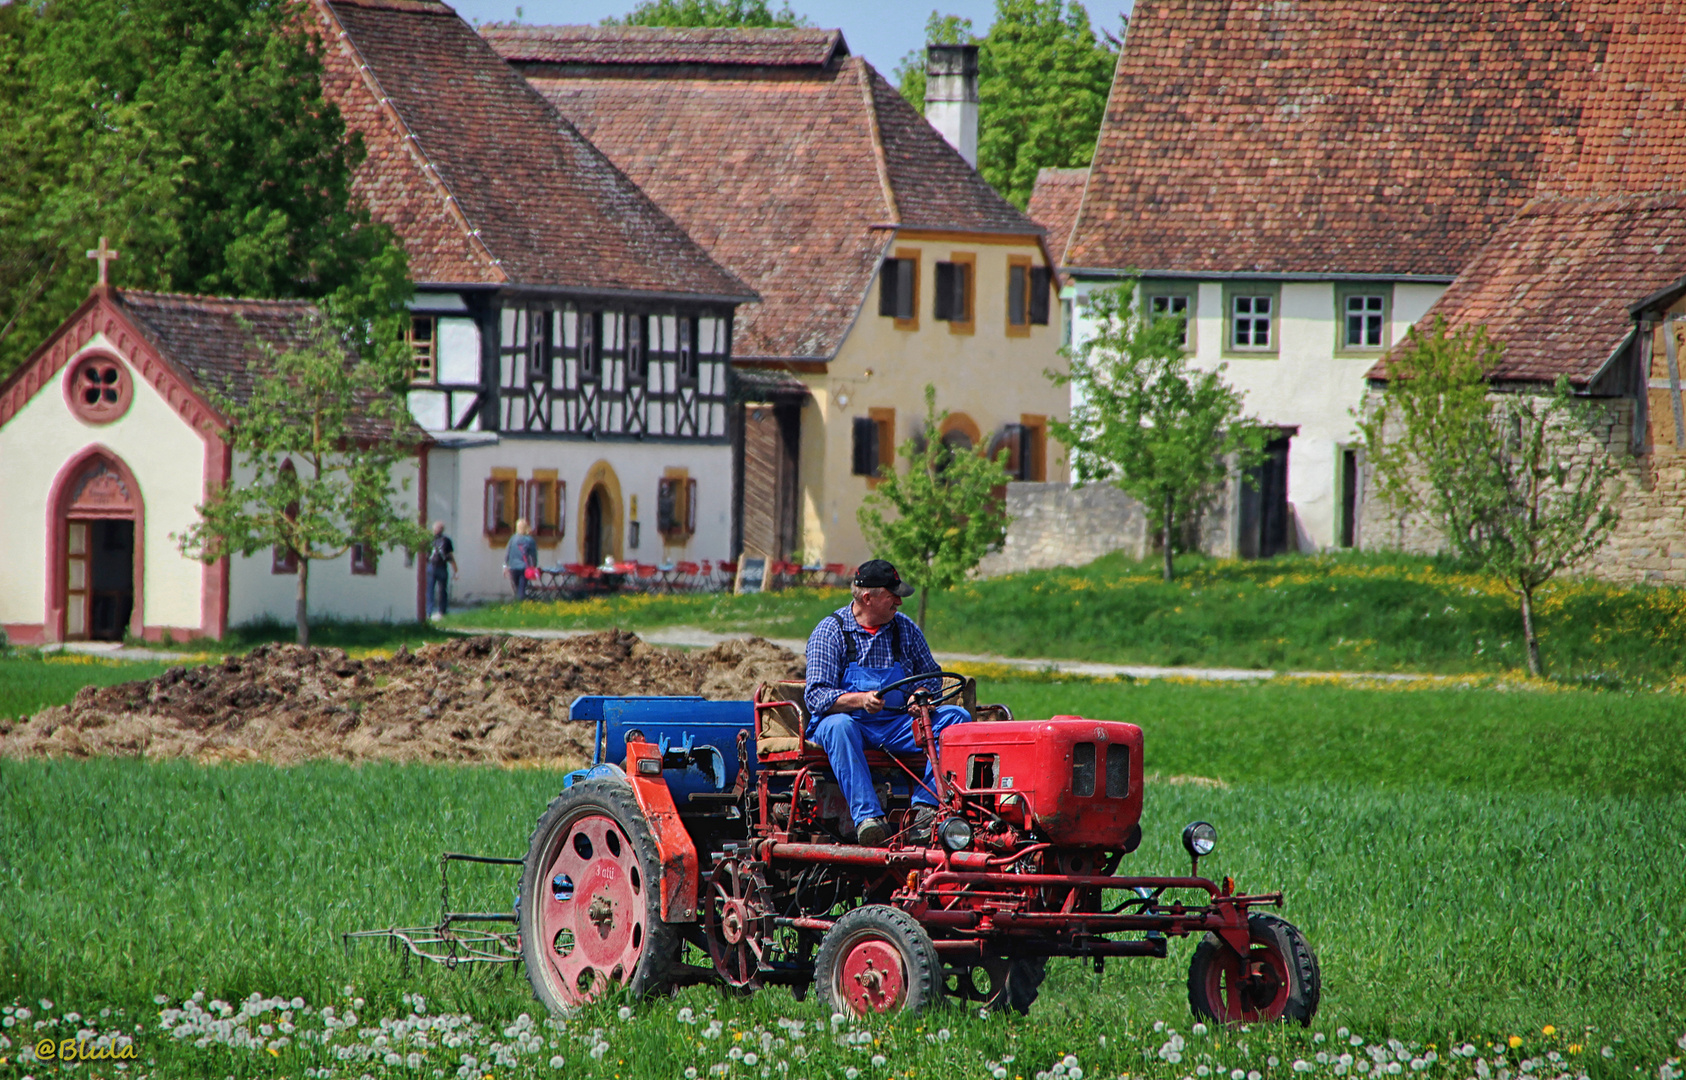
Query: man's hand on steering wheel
(940, 696)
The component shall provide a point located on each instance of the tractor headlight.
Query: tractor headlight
(955, 833)
(1200, 838)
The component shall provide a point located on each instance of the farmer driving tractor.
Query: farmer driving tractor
(852, 653)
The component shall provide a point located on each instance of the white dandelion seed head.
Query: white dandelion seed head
(1341, 1032)
(1158, 1026)
(1255, 1075)
(556, 1062)
(878, 1061)
(691, 1073)
(1198, 1028)
(1202, 1070)
(1301, 1065)
(1273, 1061)
(1069, 1060)
(1074, 1073)
(1355, 1041)
(851, 1073)
(735, 1053)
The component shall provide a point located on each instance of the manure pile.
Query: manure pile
(491, 699)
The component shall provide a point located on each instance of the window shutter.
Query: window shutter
(1041, 285)
(887, 290)
(1016, 285)
(667, 513)
(866, 446)
(561, 508)
(946, 280)
(492, 499)
(691, 506)
(907, 277)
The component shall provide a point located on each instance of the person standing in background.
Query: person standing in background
(441, 564)
(521, 555)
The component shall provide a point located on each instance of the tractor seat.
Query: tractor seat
(781, 715)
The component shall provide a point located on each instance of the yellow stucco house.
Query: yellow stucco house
(883, 260)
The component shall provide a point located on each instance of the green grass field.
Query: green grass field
(1469, 865)
(29, 683)
(1342, 612)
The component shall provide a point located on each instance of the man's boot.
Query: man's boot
(920, 833)
(872, 832)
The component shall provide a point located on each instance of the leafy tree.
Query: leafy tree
(194, 134)
(1043, 80)
(1500, 479)
(708, 13)
(337, 422)
(948, 513)
(1144, 420)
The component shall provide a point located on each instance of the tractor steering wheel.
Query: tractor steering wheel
(941, 696)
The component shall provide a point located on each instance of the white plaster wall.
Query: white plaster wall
(167, 459)
(1303, 384)
(456, 484)
(255, 591)
(991, 377)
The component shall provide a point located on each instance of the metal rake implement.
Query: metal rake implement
(455, 938)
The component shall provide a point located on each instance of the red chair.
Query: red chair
(649, 578)
(685, 575)
(838, 573)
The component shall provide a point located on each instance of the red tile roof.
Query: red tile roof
(662, 45)
(793, 182)
(1053, 205)
(1357, 136)
(482, 178)
(215, 341)
(1554, 284)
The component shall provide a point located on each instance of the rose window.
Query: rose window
(98, 389)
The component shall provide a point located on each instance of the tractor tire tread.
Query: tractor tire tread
(655, 972)
(1306, 980)
(925, 969)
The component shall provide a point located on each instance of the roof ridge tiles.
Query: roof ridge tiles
(203, 299)
(612, 46)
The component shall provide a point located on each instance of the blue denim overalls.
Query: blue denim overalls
(845, 735)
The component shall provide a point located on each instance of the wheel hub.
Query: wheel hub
(873, 977)
(738, 920)
(592, 920)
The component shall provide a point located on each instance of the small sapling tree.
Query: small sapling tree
(947, 513)
(1158, 430)
(320, 433)
(1500, 479)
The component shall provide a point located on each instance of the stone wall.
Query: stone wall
(1649, 543)
(1059, 525)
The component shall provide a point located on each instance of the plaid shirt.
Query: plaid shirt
(827, 654)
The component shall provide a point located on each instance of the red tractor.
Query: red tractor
(715, 825)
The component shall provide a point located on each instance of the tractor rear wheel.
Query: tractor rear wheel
(1001, 983)
(591, 899)
(1278, 979)
(877, 959)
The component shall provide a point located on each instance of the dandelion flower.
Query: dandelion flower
(1548, 1031)
(1515, 1041)
(1575, 1048)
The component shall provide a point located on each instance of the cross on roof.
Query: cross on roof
(104, 256)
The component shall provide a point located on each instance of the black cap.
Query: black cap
(878, 574)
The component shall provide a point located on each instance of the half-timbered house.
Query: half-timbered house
(883, 260)
(572, 343)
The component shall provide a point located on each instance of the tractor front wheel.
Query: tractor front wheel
(591, 899)
(877, 959)
(1277, 979)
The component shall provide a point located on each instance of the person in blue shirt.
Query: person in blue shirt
(853, 652)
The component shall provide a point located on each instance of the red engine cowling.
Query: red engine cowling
(1078, 781)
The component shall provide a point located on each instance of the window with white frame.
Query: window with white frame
(1366, 318)
(1251, 316)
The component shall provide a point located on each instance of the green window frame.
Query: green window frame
(1247, 305)
(1367, 311)
(1179, 298)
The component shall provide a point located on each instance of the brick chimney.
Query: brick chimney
(951, 96)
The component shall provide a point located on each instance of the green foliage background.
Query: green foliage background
(1043, 78)
(193, 134)
(708, 13)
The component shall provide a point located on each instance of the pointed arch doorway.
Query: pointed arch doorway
(96, 558)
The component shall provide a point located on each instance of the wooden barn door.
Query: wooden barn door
(770, 479)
